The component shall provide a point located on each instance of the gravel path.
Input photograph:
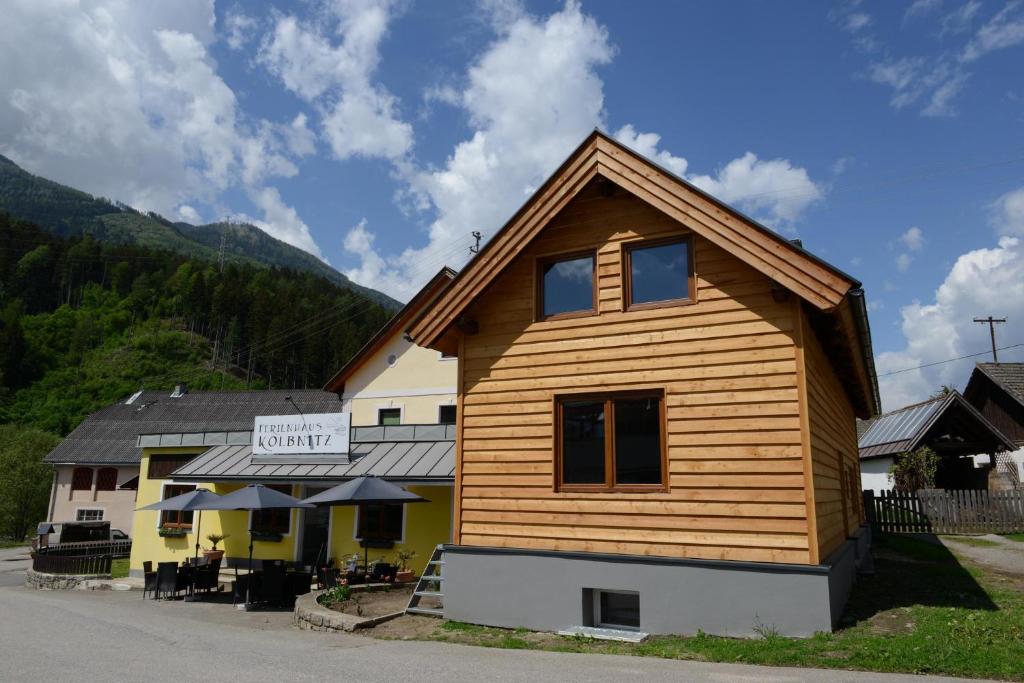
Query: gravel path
(1007, 556)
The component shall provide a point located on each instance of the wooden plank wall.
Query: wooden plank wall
(726, 363)
(833, 441)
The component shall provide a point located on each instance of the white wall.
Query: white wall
(874, 474)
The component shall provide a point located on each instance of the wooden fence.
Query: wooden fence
(72, 564)
(946, 512)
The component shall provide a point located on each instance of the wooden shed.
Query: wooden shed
(657, 405)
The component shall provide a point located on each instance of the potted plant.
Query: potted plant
(214, 553)
(172, 532)
(404, 574)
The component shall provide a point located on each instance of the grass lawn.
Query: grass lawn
(922, 612)
(119, 568)
(1014, 537)
(972, 540)
(9, 543)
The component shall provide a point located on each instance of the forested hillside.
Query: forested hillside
(83, 323)
(68, 212)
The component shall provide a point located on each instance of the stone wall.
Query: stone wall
(60, 582)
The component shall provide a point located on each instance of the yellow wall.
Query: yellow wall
(418, 382)
(426, 525)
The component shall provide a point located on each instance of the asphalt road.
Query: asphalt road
(13, 563)
(113, 636)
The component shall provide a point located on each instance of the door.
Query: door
(315, 530)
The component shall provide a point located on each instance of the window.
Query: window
(161, 466)
(106, 479)
(273, 520)
(565, 286)
(89, 515)
(380, 522)
(446, 415)
(176, 518)
(389, 416)
(611, 442)
(618, 609)
(658, 273)
(81, 479)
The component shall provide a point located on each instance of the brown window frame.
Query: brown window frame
(273, 520)
(78, 474)
(106, 479)
(549, 259)
(175, 519)
(609, 485)
(627, 274)
(162, 465)
(377, 534)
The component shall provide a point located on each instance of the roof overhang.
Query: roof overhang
(823, 287)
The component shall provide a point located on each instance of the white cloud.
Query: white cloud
(913, 238)
(239, 28)
(1003, 30)
(189, 214)
(959, 20)
(903, 262)
(920, 8)
(856, 21)
(1009, 213)
(281, 221)
(123, 100)
(988, 281)
(359, 117)
(300, 139)
(531, 97)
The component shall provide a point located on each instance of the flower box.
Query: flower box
(172, 532)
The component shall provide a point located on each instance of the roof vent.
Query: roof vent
(133, 398)
(180, 390)
(798, 242)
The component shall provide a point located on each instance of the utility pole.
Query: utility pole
(991, 322)
(475, 249)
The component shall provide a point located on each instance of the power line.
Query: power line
(949, 360)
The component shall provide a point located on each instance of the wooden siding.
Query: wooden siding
(727, 364)
(833, 448)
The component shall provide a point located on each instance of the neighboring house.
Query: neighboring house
(947, 424)
(997, 390)
(657, 401)
(392, 381)
(96, 467)
(402, 404)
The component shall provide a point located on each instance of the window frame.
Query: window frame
(81, 514)
(103, 478)
(256, 523)
(74, 478)
(401, 414)
(361, 521)
(550, 259)
(627, 273)
(440, 410)
(163, 465)
(178, 515)
(609, 485)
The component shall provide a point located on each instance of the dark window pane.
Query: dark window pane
(569, 286)
(389, 416)
(380, 522)
(446, 415)
(161, 466)
(273, 520)
(583, 442)
(81, 479)
(106, 480)
(659, 273)
(176, 517)
(620, 609)
(638, 441)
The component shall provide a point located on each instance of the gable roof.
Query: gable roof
(398, 323)
(824, 287)
(110, 435)
(905, 429)
(1007, 376)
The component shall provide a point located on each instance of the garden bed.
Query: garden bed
(367, 601)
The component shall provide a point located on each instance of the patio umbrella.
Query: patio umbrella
(256, 497)
(365, 491)
(196, 500)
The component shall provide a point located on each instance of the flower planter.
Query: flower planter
(172, 532)
(212, 555)
(405, 576)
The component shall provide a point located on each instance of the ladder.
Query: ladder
(430, 586)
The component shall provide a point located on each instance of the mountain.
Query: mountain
(68, 212)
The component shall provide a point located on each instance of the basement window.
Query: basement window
(616, 609)
(565, 286)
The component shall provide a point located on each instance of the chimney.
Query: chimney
(180, 389)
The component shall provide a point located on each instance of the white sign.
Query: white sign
(325, 433)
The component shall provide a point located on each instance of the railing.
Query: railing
(87, 548)
(74, 564)
(946, 512)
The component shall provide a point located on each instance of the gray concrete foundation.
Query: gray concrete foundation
(549, 591)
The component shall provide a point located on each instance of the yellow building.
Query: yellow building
(402, 401)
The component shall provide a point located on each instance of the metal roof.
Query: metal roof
(399, 453)
(902, 430)
(110, 434)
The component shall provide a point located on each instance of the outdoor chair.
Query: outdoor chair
(273, 588)
(327, 577)
(149, 579)
(382, 572)
(208, 576)
(166, 579)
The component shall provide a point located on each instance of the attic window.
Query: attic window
(658, 273)
(565, 286)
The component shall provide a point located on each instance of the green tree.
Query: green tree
(24, 479)
(914, 470)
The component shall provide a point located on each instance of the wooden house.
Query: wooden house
(657, 402)
(997, 391)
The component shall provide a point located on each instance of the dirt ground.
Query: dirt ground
(375, 603)
(1005, 557)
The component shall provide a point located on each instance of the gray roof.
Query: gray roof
(903, 430)
(1009, 376)
(400, 453)
(110, 434)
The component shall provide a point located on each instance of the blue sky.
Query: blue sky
(379, 134)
